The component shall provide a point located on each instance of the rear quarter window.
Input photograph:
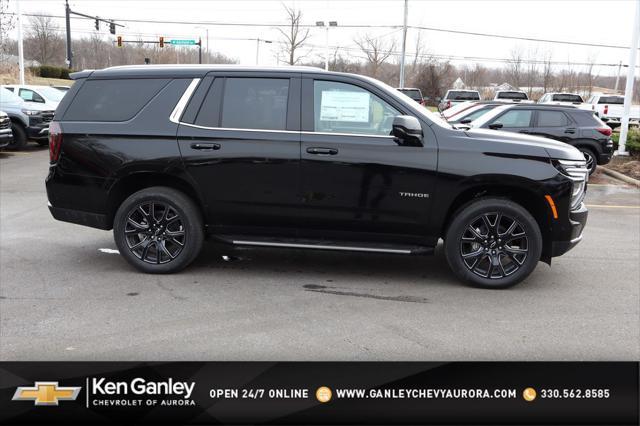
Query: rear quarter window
(585, 118)
(113, 100)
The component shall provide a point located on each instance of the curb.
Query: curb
(620, 176)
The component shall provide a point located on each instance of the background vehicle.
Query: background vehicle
(454, 97)
(571, 125)
(46, 95)
(562, 99)
(511, 96)
(303, 158)
(62, 88)
(610, 108)
(6, 136)
(29, 120)
(467, 112)
(413, 93)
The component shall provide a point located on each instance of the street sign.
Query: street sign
(183, 42)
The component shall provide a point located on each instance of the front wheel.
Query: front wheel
(158, 230)
(493, 243)
(590, 158)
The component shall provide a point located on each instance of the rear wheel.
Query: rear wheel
(493, 243)
(158, 230)
(590, 158)
(19, 136)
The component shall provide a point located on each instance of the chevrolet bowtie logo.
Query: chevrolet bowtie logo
(46, 393)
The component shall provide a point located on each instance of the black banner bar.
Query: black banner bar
(459, 393)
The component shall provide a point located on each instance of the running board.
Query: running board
(328, 245)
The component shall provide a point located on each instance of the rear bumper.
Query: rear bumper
(577, 221)
(78, 217)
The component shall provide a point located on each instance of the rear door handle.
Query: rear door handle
(322, 151)
(205, 146)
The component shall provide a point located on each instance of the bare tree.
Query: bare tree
(7, 22)
(43, 41)
(589, 78)
(515, 67)
(376, 52)
(532, 70)
(294, 37)
(547, 71)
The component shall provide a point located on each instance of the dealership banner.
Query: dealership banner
(457, 393)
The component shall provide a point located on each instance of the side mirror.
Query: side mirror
(465, 121)
(406, 130)
(495, 126)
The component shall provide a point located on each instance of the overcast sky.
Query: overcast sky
(601, 22)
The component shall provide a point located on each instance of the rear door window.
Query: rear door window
(113, 100)
(255, 103)
(551, 119)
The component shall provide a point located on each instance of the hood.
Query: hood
(554, 149)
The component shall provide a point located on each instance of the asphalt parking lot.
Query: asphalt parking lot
(66, 294)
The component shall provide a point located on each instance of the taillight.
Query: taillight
(605, 131)
(55, 141)
(606, 110)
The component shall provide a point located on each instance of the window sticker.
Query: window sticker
(345, 106)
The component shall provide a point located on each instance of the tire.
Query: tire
(164, 245)
(19, 136)
(509, 263)
(591, 157)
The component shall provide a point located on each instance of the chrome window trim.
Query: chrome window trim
(179, 108)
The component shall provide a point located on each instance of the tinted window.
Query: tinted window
(344, 108)
(456, 95)
(616, 100)
(551, 119)
(30, 96)
(475, 114)
(515, 118)
(512, 95)
(113, 100)
(413, 94)
(255, 103)
(586, 118)
(567, 98)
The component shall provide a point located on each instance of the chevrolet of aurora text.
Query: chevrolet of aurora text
(297, 157)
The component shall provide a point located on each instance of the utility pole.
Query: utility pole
(618, 76)
(257, 51)
(68, 22)
(404, 42)
(20, 50)
(628, 90)
(199, 50)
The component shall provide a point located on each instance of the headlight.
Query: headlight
(31, 111)
(577, 171)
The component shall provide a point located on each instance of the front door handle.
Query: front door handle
(322, 151)
(205, 146)
(570, 130)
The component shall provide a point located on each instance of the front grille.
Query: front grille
(5, 123)
(47, 116)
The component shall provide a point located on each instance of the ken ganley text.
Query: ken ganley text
(104, 392)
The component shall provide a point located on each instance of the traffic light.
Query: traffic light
(161, 41)
(119, 42)
(112, 27)
(97, 25)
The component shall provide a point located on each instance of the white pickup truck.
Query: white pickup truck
(610, 108)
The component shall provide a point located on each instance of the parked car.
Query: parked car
(454, 97)
(46, 95)
(571, 125)
(466, 112)
(611, 107)
(414, 93)
(303, 158)
(562, 98)
(28, 120)
(511, 96)
(6, 136)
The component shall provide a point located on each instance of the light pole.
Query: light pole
(326, 40)
(258, 40)
(628, 90)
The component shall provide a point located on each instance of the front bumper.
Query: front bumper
(6, 137)
(39, 131)
(577, 221)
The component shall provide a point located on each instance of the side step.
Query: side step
(244, 240)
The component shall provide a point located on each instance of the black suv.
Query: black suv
(303, 158)
(577, 127)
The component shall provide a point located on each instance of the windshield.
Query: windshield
(512, 95)
(51, 94)
(616, 100)
(485, 118)
(9, 97)
(567, 98)
(461, 95)
(412, 93)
